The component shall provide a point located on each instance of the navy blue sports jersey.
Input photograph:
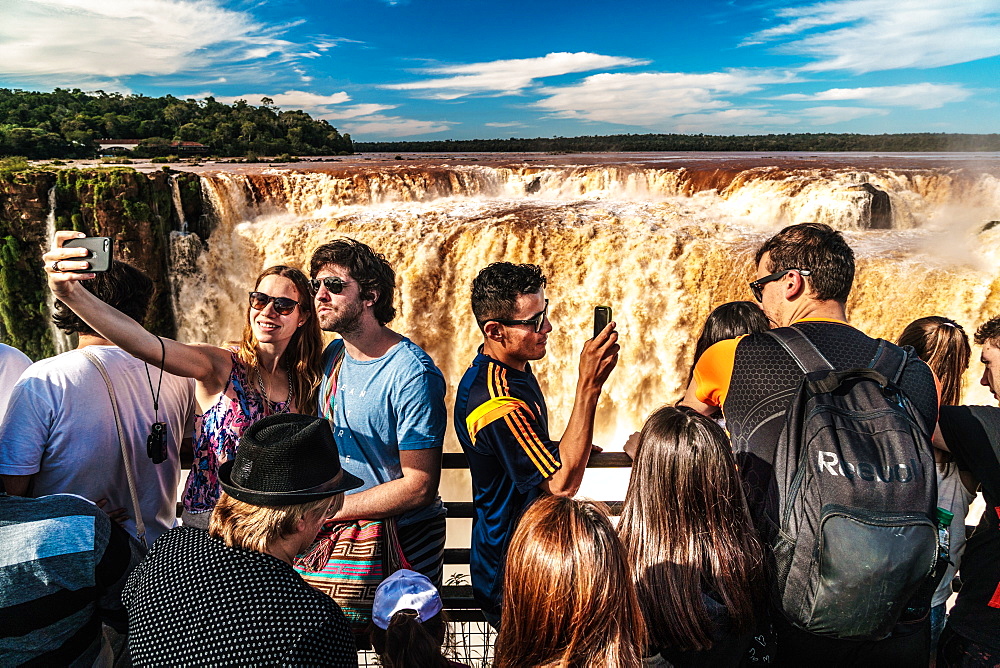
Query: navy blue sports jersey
(503, 426)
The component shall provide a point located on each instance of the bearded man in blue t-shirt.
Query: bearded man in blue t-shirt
(384, 398)
(502, 421)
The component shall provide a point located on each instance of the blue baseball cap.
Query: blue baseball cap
(405, 590)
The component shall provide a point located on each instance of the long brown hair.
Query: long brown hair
(568, 598)
(944, 345)
(686, 528)
(303, 355)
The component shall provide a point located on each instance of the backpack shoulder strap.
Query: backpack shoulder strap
(802, 350)
(890, 361)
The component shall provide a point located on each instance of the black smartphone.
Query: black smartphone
(602, 316)
(101, 250)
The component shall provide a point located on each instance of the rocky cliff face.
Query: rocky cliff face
(135, 209)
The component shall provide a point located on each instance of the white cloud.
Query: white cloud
(732, 121)
(49, 39)
(873, 35)
(512, 124)
(326, 107)
(650, 98)
(357, 110)
(834, 115)
(394, 126)
(919, 96)
(507, 77)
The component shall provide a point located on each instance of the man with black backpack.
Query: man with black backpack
(832, 433)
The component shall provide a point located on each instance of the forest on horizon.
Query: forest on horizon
(904, 142)
(66, 123)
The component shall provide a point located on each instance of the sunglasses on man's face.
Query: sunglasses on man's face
(333, 284)
(283, 305)
(537, 321)
(757, 287)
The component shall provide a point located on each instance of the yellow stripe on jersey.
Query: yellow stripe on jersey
(494, 409)
(520, 427)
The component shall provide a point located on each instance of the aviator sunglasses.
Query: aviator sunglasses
(333, 284)
(536, 321)
(283, 305)
(757, 287)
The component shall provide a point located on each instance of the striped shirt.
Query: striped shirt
(63, 565)
(502, 423)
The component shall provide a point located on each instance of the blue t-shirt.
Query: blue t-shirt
(382, 406)
(503, 425)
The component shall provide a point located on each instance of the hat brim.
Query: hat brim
(345, 482)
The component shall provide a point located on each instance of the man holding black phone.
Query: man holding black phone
(502, 421)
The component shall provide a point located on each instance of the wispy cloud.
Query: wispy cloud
(918, 96)
(320, 106)
(650, 99)
(872, 35)
(395, 126)
(833, 115)
(511, 124)
(507, 77)
(732, 121)
(48, 39)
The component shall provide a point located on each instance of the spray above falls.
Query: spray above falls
(662, 245)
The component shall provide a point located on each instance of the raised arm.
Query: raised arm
(209, 365)
(598, 359)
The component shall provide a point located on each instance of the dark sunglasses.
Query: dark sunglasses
(333, 284)
(283, 305)
(757, 287)
(536, 321)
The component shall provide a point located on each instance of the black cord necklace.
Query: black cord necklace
(156, 442)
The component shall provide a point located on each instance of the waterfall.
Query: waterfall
(662, 246)
(175, 193)
(61, 342)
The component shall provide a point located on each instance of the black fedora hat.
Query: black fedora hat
(286, 459)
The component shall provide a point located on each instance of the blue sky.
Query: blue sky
(451, 69)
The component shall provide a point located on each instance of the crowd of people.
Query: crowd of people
(803, 503)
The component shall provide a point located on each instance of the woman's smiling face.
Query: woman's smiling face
(268, 325)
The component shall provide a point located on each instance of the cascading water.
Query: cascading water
(60, 341)
(662, 246)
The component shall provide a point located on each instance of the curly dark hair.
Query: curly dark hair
(495, 289)
(122, 286)
(816, 247)
(370, 269)
(989, 331)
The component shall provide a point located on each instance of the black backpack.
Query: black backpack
(856, 538)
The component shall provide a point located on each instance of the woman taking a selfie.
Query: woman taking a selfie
(274, 369)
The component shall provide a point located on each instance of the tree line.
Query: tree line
(909, 142)
(66, 123)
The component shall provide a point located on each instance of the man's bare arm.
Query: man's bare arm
(597, 360)
(417, 488)
(692, 401)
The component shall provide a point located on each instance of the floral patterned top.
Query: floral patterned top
(218, 432)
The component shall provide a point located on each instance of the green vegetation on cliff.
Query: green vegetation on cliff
(914, 142)
(65, 123)
(135, 209)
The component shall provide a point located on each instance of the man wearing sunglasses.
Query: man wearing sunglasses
(384, 398)
(804, 275)
(502, 421)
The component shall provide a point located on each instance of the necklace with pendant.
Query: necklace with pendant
(273, 405)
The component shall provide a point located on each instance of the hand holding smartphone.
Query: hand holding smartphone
(602, 316)
(101, 250)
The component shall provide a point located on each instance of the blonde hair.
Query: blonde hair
(252, 527)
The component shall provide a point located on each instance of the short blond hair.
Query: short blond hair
(252, 527)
